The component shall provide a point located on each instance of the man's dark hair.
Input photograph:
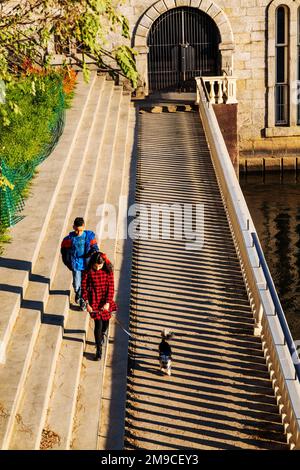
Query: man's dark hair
(78, 222)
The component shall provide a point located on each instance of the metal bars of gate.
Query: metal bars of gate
(183, 43)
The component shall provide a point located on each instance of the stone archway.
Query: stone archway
(226, 46)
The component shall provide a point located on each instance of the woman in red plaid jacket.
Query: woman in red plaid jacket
(97, 290)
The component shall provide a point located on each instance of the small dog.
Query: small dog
(165, 352)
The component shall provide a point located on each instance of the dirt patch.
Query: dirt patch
(49, 439)
(22, 427)
(3, 412)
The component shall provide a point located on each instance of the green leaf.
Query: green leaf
(125, 59)
(86, 73)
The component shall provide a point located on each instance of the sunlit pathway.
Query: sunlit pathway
(219, 395)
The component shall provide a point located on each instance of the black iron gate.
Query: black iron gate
(183, 43)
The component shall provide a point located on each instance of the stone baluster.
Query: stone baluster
(211, 91)
(220, 89)
(231, 90)
(219, 94)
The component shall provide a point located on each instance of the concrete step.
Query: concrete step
(60, 219)
(14, 273)
(62, 402)
(33, 411)
(114, 188)
(114, 380)
(36, 388)
(88, 408)
(88, 398)
(65, 389)
(39, 381)
(32, 309)
(13, 373)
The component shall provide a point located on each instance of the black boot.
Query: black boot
(98, 354)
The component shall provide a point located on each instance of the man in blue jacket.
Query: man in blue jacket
(76, 250)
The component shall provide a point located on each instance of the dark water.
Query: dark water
(274, 204)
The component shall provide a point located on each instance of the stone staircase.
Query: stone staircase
(42, 339)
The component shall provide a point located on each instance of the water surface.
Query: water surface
(274, 203)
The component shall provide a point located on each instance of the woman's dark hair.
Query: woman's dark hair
(98, 258)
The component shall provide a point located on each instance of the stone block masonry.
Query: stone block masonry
(247, 29)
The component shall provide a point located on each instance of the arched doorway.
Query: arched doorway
(183, 43)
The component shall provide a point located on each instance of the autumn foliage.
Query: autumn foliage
(68, 74)
(69, 80)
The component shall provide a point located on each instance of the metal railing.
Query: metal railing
(270, 323)
(278, 308)
(14, 180)
(74, 56)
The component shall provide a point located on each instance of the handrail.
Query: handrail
(205, 90)
(82, 49)
(277, 305)
(270, 323)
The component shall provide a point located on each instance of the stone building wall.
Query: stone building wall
(247, 30)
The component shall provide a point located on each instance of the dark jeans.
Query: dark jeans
(99, 330)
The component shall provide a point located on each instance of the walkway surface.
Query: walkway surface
(219, 395)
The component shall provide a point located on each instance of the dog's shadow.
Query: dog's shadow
(143, 367)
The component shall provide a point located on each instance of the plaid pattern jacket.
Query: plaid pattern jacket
(97, 287)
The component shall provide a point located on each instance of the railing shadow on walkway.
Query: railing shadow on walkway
(220, 395)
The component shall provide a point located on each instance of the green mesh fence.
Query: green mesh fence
(14, 181)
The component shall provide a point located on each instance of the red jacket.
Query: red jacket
(97, 287)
